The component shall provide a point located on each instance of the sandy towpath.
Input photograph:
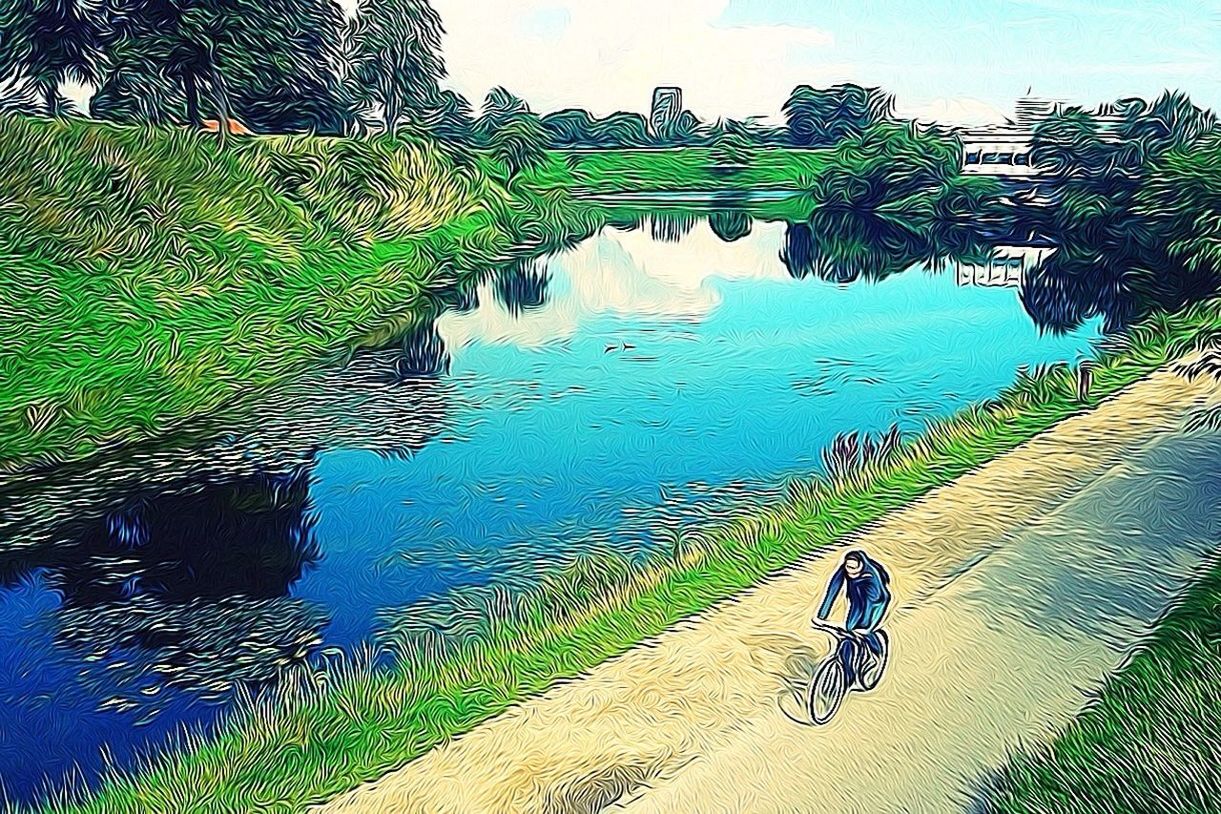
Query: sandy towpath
(1018, 588)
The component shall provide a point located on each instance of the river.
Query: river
(662, 372)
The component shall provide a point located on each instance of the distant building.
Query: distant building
(1029, 111)
(1004, 149)
(666, 110)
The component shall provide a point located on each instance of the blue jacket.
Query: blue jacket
(868, 595)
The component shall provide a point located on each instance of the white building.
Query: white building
(1004, 150)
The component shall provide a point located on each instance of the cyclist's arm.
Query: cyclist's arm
(833, 588)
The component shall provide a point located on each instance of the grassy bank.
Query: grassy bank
(688, 168)
(150, 277)
(1149, 743)
(482, 650)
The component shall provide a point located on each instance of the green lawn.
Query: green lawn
(691, 168)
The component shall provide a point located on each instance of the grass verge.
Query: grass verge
(481, 650)
(1150, 741)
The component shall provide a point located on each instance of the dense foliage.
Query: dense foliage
(1133, 212)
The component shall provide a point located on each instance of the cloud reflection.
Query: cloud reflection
(622, 273)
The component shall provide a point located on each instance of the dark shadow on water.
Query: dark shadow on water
(166, 606)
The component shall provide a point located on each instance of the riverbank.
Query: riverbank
(483, 652)
(151, 277)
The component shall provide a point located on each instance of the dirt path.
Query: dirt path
(1017, 589)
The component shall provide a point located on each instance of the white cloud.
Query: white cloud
(608, 56)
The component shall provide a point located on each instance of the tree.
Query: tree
(47, 42)
(824, 117)
(451, 119)
(275, 62)
(396, 57)
(579, 128)
(883, 165)
(499, 108)
(731, 149)
(282, 65)
(172, 48)
(570, 128)
(520, 143)
(1120, 229)
(686, 130)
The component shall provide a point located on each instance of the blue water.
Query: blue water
(657, 383)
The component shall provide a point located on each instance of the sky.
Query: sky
(950, 60)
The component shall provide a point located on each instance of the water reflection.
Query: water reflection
(423, 353)
(843, 247)
(146, 616)
(671, 226)
(730, 225)
(523, 285)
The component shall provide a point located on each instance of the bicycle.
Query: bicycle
(829, 686)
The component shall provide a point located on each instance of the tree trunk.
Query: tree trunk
(222, 103)
(190, 88)
(390, 112)
(50, 90)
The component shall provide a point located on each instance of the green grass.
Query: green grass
(690, 168)
(1151, 742)
(481, 650)
(150, 277)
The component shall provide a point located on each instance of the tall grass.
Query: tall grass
(481, 650)
(149, 276)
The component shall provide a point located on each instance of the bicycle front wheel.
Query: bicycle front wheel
(827, 691)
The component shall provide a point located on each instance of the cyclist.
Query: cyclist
(868, 598)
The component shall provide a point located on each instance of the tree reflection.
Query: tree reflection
(423, 352)
(186, 588)
(844, 247)
(671, 227)
(729, 224)
(523, 285)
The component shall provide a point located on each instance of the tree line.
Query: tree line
(299, 65)
(1133, 209)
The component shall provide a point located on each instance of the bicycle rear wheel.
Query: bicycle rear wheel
(827, 690)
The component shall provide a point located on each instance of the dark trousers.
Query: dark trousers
(852, 659)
